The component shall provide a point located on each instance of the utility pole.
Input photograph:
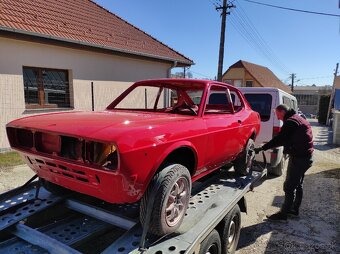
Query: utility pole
(293, 76)
(224, 14)
(333, 92)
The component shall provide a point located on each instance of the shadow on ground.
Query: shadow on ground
(315, 231)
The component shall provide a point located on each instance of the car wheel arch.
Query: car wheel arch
(188, 147)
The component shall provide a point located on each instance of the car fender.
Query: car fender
(168, 151)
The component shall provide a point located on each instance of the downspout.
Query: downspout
(166, 92)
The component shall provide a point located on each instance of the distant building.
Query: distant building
(336, 111)
(336, 91)
(245, 74)
(308, 97)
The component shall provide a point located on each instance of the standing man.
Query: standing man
(297, 139)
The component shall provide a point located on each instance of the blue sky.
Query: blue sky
(305, 44)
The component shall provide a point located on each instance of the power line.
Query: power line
(321, 77)
(265, 45)
(200, 74)
(292, 9)
(247, 30)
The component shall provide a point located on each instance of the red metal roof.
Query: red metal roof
(82, 22)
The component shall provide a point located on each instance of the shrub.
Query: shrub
(323, 108)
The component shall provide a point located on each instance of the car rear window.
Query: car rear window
(261, 103)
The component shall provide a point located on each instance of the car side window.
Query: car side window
(218, 102)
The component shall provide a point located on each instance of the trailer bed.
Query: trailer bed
(32, 222)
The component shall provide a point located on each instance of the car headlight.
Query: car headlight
(103, 155)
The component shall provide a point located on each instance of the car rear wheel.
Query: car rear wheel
(243, 163)
(171, 200)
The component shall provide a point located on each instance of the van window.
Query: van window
(287, 101)
(294, 105)
(261, 103)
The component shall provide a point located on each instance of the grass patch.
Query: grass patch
(10, 159)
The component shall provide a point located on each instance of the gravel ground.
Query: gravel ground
(14, 177)
(315, 231)
(317, 228)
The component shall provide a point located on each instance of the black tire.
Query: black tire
(211, 244)
(231, 230)
(161, 222)
(278, 170)
(243, 163)
(54, 188)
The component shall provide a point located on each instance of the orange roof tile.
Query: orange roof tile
(82, 22)
(264, 76)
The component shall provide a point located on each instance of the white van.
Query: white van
(264, 100)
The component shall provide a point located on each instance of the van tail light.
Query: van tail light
(276, 131)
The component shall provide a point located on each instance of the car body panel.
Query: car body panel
(142, 141)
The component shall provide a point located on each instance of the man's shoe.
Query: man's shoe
(293, 212)
(277, 216)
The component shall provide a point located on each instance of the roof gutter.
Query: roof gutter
(174, 65)
(121, 51)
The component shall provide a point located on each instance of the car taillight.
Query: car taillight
(276, 131)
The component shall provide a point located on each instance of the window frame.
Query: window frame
(40, 89)
(228, 95)
(252, 83)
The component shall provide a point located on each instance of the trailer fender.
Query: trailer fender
(243, 205)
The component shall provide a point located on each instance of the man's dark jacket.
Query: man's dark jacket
(295, 136)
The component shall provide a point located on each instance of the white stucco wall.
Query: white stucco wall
(111, 75)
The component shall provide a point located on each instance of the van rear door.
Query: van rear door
(263, 104)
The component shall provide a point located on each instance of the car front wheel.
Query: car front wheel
(171, 200)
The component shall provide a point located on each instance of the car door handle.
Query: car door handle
(239, 121)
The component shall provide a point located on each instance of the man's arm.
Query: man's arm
(284, 135)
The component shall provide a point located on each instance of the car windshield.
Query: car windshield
(173, 99)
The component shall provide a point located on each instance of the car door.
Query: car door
(222, 127)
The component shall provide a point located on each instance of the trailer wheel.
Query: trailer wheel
(171, 200)
(243, 163)
(53, 188)
(231, 230)
(211, 244)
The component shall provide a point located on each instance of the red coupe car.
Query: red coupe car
(176, 130)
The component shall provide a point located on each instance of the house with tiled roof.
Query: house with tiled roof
(52, 51)
(246, 74)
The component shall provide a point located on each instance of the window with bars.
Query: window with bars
(46, 88)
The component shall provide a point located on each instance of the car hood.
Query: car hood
(90, 124)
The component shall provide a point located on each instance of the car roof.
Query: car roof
(184, 82)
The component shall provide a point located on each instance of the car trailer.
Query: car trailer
(33, 220)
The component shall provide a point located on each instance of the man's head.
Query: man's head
(281, 111)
